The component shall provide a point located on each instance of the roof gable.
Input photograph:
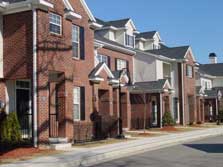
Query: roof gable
(98, 69)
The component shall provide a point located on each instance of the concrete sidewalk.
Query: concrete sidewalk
(91, 156)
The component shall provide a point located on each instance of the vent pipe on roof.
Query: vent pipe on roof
(213, 58)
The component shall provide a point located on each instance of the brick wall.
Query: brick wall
(55, 54)
(17, 52)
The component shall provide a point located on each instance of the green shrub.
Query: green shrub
(220, 115)
(10, 129)
(168, 120)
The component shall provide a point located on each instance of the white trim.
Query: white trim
(190, 51)
(88, 10)
(25, 6)
(35, 137)
(95, 25)
(161, 110)
(133, 25)
(107, 70)
(68, 5)
(121, 49)
(70, 15)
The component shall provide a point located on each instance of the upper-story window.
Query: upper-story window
(76, 41)
(130, 40)
(121, 64)
(102, 59)
(55, 24)
(189, 71)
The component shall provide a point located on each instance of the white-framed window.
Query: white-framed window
(130, 40)
(121, 64)
(189, 71)
(102, 58)
(76, 104)
(76, 41)
(55, 24)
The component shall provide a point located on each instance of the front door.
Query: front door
(23, 108)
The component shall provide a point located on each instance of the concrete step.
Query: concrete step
(58, 140)
(61, 146)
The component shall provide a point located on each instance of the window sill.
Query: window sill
(75, 58)
(56, 35)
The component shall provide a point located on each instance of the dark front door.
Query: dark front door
(23, 112)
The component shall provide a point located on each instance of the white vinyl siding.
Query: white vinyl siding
(76, 41)
(55, 24)
(76, 103)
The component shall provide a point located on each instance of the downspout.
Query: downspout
(35, 134)
(183, 100)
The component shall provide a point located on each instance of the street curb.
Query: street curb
(105, 157)
(103, 154)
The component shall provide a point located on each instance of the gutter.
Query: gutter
(35, 134)
(118, 48)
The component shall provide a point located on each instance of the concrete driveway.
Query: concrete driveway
(204, 153)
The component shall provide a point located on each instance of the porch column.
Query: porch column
(161, 110)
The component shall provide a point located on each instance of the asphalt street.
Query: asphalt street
(203, 153)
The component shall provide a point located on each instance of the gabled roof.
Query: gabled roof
(96, 71)
(118, 74)
(200, 90)
(212, 69)
(146, 35)
(150, 86)
(116, 23)
(173, 53)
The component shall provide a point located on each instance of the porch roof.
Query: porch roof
(150, 87)
(214, 92)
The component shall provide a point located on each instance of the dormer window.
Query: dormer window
(129, 40)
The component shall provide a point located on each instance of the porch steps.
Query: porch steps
(60, 144)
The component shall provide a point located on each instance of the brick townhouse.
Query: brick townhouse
(174, 64)
(209, 80)
(70, 76)
(47, 48)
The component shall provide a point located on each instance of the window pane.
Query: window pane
(102, 59)
(55, 23)
(76, 103)
(75, 41)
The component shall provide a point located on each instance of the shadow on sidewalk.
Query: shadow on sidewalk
(208, 148)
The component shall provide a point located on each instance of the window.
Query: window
(55, 23)
(189, 71)
(76, 104)
(130, 40)
(121, 64)
(102, 59)
(76, 41)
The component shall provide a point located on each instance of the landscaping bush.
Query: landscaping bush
(168, 120)
(10, 130)
(220, 115)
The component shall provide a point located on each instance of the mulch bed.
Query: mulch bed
(24, 152)
(169, 129)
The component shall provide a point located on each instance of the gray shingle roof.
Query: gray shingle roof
(212, 69)
(173, 53)
(213, 93)
(116, 23)
(12, 1)
(146, 35)
(150, 86)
